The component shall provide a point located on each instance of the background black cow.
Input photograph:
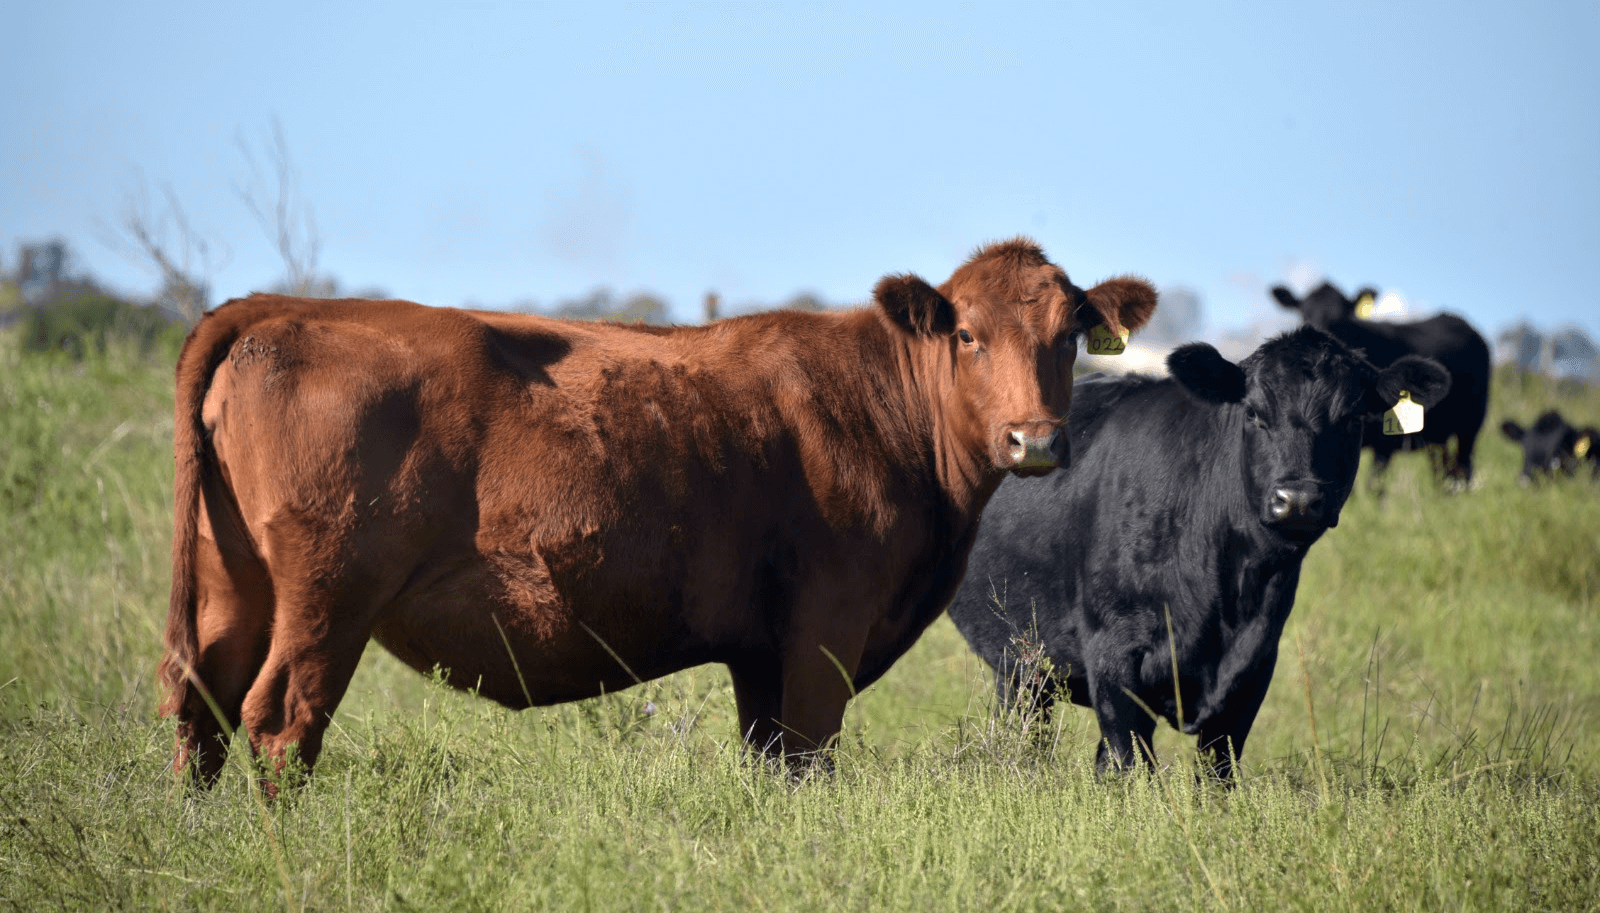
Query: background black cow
(1447, 339)
(1198, 494)
(1554, 446)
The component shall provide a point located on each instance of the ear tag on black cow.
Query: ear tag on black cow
(1365, 306)
(1404, 418)
(1581, 449)
(1104, 342)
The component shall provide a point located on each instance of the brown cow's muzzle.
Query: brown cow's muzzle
(1036, 448)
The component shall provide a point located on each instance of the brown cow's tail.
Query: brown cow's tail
(203, 352)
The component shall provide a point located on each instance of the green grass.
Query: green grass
(1446, 647)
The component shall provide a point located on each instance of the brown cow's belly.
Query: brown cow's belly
(524, 647)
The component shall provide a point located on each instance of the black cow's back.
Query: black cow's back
(1452, 342)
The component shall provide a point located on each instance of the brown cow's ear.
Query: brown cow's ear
(915, 306)
(1124, 303)
(1286, 298)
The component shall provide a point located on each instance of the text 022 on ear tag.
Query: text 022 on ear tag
(1104, 342)
(1404, 418)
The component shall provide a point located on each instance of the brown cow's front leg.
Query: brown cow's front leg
(818, 674)
(758, 689)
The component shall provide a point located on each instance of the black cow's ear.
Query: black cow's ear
(1201, 370)
(1286, 298)
(1425, 379)
(1511, 430)
(915, 306)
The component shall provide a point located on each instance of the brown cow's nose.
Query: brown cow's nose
(1037, 446)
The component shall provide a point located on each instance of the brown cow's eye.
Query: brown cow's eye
(965, 337)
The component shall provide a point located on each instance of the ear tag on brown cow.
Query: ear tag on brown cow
(1404, 418)
(1104, 342)
(1581, 449)
(1365, 306)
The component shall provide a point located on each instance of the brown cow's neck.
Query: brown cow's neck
(960, 462)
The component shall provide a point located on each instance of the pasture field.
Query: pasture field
(1431, 739)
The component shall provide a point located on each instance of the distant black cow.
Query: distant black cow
(1198, 494)
(1447, 339)
(1552, 446)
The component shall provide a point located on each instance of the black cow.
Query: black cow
(1197, 495)
(1552, 446)
(1447, 339)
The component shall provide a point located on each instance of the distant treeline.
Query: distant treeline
(55, 310)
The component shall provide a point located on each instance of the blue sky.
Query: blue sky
(496, 153)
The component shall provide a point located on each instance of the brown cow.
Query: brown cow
(551, 510)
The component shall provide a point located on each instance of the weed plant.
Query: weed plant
(1429, 741)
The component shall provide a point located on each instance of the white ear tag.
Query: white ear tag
(1404, 418)
(1104, 342)
(1365, 306)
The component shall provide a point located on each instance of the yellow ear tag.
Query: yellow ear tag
(1365, 306)
(1581, 449)
(1404, 418)
(1104, 342)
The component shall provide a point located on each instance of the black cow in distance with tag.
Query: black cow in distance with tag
(1446, 338)
(1552, 446)
(1189, 506)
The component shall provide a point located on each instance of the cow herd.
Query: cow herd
(552, 510)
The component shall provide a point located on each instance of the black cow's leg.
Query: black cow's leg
(1380, 466)
(1466, 441)
(1221, 739)
(758, 689)
(1124, 739)
(1440, 461)
(1126, 728)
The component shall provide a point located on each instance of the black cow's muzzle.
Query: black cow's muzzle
(1299, 508)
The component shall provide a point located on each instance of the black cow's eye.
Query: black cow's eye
(1254, 417)
(965, 337)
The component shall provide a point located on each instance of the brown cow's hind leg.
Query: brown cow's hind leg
(233, 619)
(317, 643)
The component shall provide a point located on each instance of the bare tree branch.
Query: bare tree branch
(288, 223)
(167, 242)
